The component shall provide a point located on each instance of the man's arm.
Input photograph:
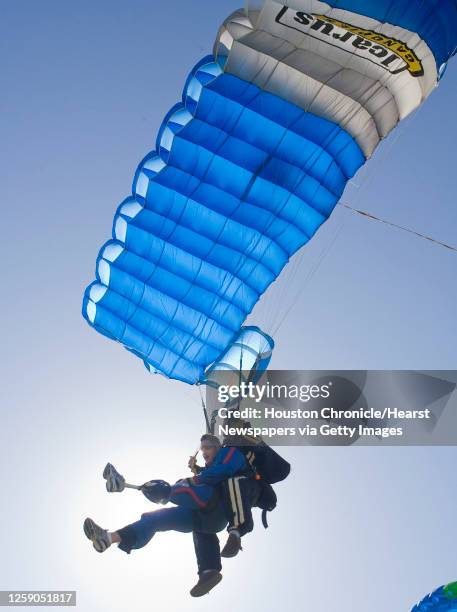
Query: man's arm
(192, 465)
(229, 461)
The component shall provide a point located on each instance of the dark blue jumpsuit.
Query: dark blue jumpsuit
(199, 506)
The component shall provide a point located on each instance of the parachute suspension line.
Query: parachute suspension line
(244, 197)
(396, 226)
(324, 253)
(270, 309)
(205, 412)
(366, 179)
(191, 396)
(297, 261)
(268, 299)
(239, 376)
(289, 278)
(378, 165)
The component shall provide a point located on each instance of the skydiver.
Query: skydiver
(207, 547)
(199, 509)
(239, 494)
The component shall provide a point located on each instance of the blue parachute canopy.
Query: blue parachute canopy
(242, 180)
(443, 599)
(252, 162)
(245, 360)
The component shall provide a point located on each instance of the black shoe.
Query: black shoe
(207, 581)
(232, 546)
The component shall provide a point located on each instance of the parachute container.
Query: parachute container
(252, 161)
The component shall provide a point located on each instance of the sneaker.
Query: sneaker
(207, 581)
(232, 546)
(99, 537)
(115, 482)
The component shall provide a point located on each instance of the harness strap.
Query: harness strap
(264, 519)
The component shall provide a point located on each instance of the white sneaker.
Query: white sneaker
(100, 538)
(115, 482)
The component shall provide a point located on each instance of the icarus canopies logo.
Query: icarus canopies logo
(389, 53)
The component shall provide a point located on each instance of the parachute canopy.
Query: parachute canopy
(245, 360)
(443, 599)
(252, 162)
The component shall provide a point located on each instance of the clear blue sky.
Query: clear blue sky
(85, 86)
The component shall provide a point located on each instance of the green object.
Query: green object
(450, 591)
